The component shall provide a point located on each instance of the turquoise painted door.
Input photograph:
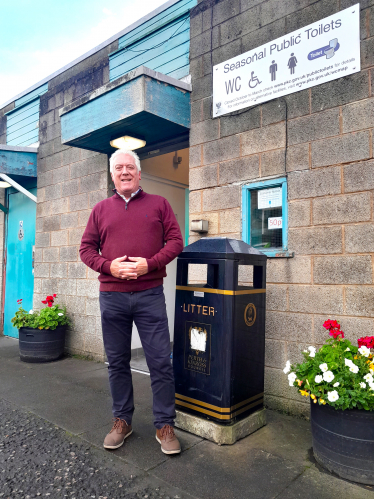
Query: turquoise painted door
(20, 242)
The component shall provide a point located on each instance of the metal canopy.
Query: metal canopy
(142, 103)
(16, 160)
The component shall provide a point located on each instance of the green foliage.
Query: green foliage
(46, 318)
(346, 383)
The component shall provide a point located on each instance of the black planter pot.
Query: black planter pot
(41, 345)
(343, 442)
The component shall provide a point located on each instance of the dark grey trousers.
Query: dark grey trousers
(148, 310)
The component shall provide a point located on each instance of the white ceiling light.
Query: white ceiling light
(127, 142)
(4, 185)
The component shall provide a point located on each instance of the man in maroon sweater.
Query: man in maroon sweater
(129, 239)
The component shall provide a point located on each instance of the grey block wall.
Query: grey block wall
(70, 182)
(328, 160)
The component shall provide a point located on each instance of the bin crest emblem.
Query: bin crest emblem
(250, 314)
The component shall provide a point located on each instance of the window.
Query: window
(23, 120)
(265, 216)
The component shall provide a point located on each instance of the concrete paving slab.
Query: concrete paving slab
(314, 483)
(141, 448)
(284, 436)
(229, 472)
(72, 407)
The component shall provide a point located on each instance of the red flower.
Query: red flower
(49, 300)
(367, 341)
(334, 329)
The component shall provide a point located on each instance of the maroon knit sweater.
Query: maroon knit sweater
(139, 228)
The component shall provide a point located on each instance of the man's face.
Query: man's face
(125, 175)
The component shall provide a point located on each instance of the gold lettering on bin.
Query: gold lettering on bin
(200, 309)
(250, 314)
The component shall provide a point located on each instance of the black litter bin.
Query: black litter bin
(219, 333)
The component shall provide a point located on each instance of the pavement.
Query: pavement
(54, 417)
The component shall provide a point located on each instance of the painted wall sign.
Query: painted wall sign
(269, 198)
(323, 51)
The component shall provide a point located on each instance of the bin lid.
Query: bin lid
(221, 247)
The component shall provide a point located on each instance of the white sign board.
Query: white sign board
(269, 198)
(275, 223)
(321, 52)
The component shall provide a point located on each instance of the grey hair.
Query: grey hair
(124, 151)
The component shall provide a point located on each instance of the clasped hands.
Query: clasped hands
(128, 268)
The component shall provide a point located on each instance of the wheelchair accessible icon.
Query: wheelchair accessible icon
(254, 81)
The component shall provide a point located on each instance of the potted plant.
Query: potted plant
(41, 333)
(339, 379)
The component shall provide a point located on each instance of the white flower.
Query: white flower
(60, 313)
(353, 369)
(323, 367)
(335, 385)
(368, 377)
(365, 351)
(371, 386)
(363, 385)
(347, 349)
(31, 311)
(312, 351)
(348, 362)
(291, 378)
(318, 378)
(328, 376)
(287, 368)
(333, 396)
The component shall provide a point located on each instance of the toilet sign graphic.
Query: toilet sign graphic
(21, 234)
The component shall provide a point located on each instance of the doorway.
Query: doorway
(167, 175)
(19, 256)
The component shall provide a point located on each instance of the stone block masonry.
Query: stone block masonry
(70, 182)
(321, 139)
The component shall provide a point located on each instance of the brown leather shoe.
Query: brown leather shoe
(169, 442)
(117, 435)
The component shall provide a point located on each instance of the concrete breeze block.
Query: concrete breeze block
(222, 149)
(220, 198)
(321, 299)
(230, 221)
(299, 213)
(358, 115)
(273, 163)
(297, 157)
(264, 139)
(315, 240)
(289, 270)
(314, 127)
(203, 177)
(359, 238)
(359, 300)
(343, 149)
(359, 176)
(343, 270)
(289, 326)
(239, 169)
(204, 131)
(342, 209)
(313, 183)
